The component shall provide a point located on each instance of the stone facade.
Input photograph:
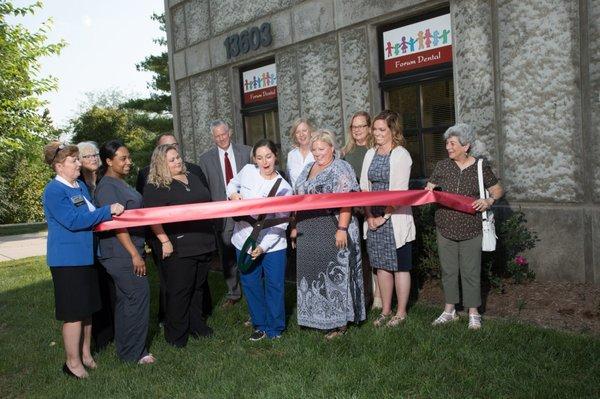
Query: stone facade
(526, 75)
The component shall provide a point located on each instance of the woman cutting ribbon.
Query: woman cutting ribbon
(263, 282)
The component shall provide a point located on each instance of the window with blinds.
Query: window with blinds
(426, 110)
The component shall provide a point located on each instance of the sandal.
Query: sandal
(396, 320)
(445, 317)
(148, 359)
(381, 319)
(337, 332)
(474, 322)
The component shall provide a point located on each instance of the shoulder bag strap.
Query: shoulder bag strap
(482, 191)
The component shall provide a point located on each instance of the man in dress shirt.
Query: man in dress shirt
(142, 178)
(219, 165)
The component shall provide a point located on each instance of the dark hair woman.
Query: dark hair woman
(121, 252)
(185, 248)
(264, 282)
(71, 216)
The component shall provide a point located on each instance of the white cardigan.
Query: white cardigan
(402, 218)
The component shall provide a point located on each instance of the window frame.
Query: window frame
(413, 77)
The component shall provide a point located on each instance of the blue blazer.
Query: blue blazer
(70, 224)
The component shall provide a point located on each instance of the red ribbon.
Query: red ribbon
(221, 209)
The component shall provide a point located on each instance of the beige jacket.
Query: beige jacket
(402, 219)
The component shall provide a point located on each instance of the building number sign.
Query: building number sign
(248, 39)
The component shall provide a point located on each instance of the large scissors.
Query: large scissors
(245, 260)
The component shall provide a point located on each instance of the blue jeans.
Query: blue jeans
(264, 288)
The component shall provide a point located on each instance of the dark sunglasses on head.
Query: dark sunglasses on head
(60, 147)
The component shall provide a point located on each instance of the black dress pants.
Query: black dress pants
(186, 280)
(162, 279)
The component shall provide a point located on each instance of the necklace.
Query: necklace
(187, 187)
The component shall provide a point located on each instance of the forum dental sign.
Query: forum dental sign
(418, 45)
(260, 84)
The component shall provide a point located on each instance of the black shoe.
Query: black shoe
(68, 372)
(257, 335)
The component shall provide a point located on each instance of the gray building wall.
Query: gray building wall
(526, 75)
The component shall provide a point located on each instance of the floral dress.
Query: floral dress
(330, 280)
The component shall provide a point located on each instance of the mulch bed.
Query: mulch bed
(559, 305)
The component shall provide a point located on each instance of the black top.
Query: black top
(188, 238)
(142, 177)
(109, 191)
(455, 225)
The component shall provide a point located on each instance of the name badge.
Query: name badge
(78, 200)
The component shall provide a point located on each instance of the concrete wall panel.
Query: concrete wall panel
(348, 12)
(197, 58)
(186, 127)
(319, 84)
(312, 18)
(203, 108)
(474, 70)
(227, 14)
(178, 27)
(179, 66)
(559, 256)
(594, 90)
(354, 69)
(222, 93)
(287, 94)
(197, 21)
(539, 60)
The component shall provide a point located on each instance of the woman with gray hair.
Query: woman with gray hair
(459, 234)
(329, 266)
(89, 156)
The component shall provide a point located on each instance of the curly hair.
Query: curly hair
(160, 174)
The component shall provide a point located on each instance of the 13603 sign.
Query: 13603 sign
(248, 39)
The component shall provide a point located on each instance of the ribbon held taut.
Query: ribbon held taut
(290, 203)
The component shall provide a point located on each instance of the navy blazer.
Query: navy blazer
(70, 224)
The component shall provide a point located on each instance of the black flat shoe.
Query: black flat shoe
(68, 372)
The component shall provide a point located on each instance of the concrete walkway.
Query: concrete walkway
(23, 246)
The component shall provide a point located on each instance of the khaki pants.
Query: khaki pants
(464, 258)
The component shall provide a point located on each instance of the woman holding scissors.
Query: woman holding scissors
(263, 282)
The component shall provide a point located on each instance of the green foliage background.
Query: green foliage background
(24, 129)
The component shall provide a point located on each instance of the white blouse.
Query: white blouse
(296, 164)
(250, 184)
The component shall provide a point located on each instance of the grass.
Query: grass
(504, 359)
(22, 228)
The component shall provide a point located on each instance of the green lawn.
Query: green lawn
(504, 359)
(25, 228)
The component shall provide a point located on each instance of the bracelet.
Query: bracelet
(164, 242)
(387, 217)
(342, 228)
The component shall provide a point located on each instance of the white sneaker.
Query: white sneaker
(474, 322)
(445, 317)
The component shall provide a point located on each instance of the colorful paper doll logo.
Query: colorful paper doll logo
(260, 84)
(418, 45)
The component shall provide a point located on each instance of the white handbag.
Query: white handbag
(488, 242)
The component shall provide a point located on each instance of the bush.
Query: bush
(505, 263)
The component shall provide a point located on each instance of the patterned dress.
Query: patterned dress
(330, 281)
(381, 244)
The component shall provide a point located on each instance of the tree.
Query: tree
(160, 100)
(24, 129)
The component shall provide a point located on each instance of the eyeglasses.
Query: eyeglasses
(356, 127)
(90, 156)
(60, 147)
